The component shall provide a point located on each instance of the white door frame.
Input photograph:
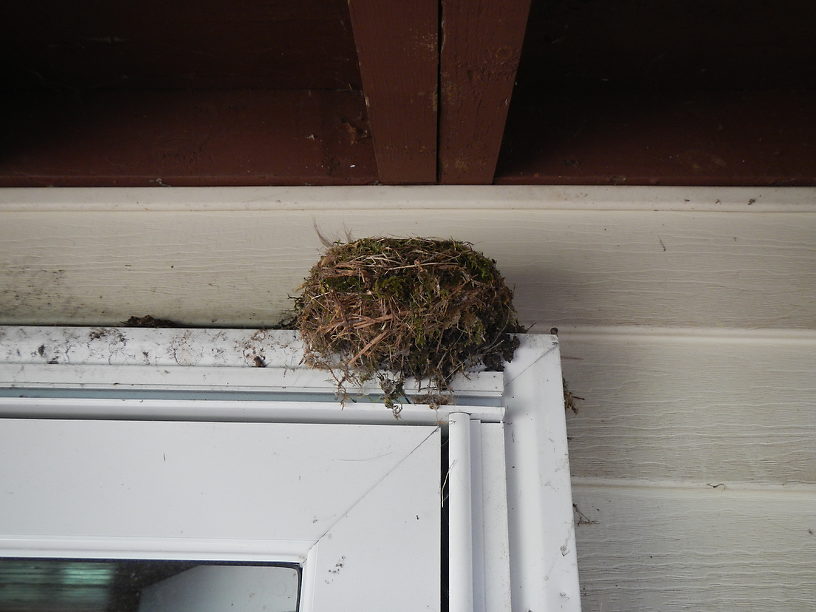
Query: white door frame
(520, 542)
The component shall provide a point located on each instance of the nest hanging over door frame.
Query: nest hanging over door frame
(395, 308)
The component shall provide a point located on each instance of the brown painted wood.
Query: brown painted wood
(759, 138)
(688, 45)
(627, 92)
(209, 44)
(664, 93)
(185, 138)
(481, 47)
(397, 49)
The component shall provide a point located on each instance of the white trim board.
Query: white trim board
(225, 360)
(455, 197)
(267, 411)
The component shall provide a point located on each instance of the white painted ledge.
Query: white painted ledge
(241, 360)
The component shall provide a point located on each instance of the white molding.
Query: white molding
(491, 532)
(179, 549)
(543, 564)
(460, 535)
(224, 359)
(217, 378)
(255, 411)
(444, 197)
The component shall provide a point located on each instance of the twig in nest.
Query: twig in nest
(570, 397)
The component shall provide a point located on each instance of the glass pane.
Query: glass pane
(88, 585)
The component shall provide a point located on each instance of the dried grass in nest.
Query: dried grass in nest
(412, 307)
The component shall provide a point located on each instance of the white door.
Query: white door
(357, 507)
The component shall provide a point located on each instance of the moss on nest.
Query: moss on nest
(405, 307)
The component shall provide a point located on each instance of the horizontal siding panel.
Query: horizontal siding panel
(695, 549)
(726, 408)
(584, 267)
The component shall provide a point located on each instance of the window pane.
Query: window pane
(60, 585)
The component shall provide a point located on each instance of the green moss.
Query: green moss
(393, 286)
(343, 283)
(478, 266)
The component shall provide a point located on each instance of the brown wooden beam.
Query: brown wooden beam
(481, 47)
(397, 49)
(185, 138)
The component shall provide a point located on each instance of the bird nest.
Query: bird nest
(395, 308)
